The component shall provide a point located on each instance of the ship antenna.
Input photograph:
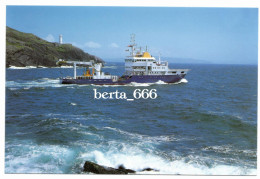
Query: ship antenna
(132, 44)
(133, 39)
(159, 58)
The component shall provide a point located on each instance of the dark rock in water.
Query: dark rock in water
(121, 167)
(149, 169)
(25, 49)
(98, 169)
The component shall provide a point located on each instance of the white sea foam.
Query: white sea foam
(66, 67)
(160, 82)
(60, 159)
(105, 85)
(135, 159)
(27, 67)
(42, 67)
(135, 84)
(13, 89)
(147, 139)
(228, 149)
(38, 159)
(112, 67)
(44, 82)
(183, 80)
(139, 84)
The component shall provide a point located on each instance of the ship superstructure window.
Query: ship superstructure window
(182, 72)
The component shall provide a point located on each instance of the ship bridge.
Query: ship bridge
(143, 63)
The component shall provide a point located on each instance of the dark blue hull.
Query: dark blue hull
(127, 79)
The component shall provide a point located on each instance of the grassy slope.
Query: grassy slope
(26, 49)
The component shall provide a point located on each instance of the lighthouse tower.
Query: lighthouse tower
(60, 39)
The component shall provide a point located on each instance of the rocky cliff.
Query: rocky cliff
(26, 49)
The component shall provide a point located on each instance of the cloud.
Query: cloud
(77, 45)
(91, 44)
(113, 45)
(50, 38)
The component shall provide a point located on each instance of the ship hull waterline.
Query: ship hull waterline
(127, 80)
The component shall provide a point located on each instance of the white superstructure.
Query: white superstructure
(96, 70)
(142, 63)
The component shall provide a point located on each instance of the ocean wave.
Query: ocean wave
(228, 149)
(134, 158)
(183, 80)
(220, 118)
(67, 66)
(160, 82)
(27, 67)
(37, 159)
(33, 158)
(44, 82)
(157, 83)
(139, 84)
(145, 138)
(13, 89)
(112, 67)
(105, 85)
(135, 84)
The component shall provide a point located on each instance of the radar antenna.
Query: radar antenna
(133, 39)
(132, 45)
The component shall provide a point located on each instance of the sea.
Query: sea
(204, 125)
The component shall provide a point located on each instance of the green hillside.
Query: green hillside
(26, 49)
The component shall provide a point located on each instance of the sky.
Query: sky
(215, 35)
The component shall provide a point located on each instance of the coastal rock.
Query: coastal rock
(122, 168)
(26, 49)
(98, 169)
(149, 169)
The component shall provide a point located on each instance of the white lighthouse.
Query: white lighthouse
(60, 39)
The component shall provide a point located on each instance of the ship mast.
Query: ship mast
(132, 45)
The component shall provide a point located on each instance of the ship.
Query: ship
(140, 67)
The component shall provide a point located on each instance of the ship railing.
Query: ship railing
(179, 69)
(162, 63)
(138, 69)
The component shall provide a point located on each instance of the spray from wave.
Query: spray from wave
(137, 159)
(44, 82)
(27, 67)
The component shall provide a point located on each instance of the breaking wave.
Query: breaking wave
(27, 67)
(38, 159)
(44, 82)
(183, 80)
(112, 67)
(135, 158)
